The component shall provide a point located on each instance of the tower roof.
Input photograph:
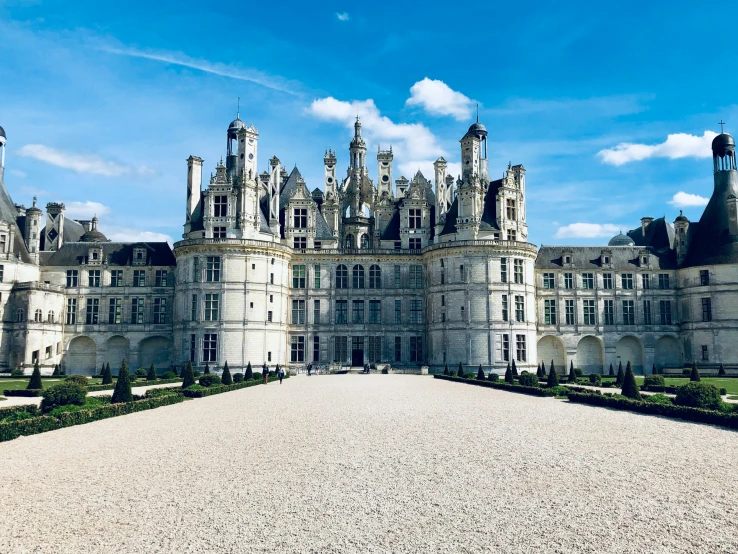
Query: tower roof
(621, 240)
(2, 133)
(722, 143)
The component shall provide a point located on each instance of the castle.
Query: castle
(420, 274)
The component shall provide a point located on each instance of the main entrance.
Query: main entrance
(357, 351)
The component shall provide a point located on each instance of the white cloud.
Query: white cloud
(685, 200)
(342, 16)
(437, 98)
(81, 163)
(679, 145)
(136, 235)
(587, 230)
(19, 173)
(85, 210)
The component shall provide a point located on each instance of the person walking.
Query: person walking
(280, 374)
(310, 368)
(265, 373)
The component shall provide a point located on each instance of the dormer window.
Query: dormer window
(415, 217)
(95, 256)
(220, 206)
(606, 259)
(300, 218)
(567, 259)
(139, 256)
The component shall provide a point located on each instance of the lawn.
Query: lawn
(22, 383)
(730, 384)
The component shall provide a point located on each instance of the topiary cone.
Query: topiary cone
(553, 378)
(612, 371)
(56, 371)
(226, 377)
(207, 369)
(35, 382)
(445, 369)
(174, 370)
(621, 375)
(514, 370)
(630, 388)
(695, 375)
(540, 373)
(249, 373)
(721, 371)
(480, 373)
(188, 376)
(122, 392)
(151, 375)
(572, 376)
(509, 375)
(107, 377)
(461, 370)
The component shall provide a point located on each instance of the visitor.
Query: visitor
(310, 368)
(280, 374)
(265, 373)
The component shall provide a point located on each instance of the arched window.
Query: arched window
(38, 316)
(364, 241)
(358, 276)
(350, 241)
(375, 277)
(50, 318)
(20, 315)
(341, 277)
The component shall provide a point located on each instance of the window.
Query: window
(374, 349)
(398, 245)
(298, 312)
(416, 311)
(316, 348)
(443, 317)
(298, 276)
(398, 311)
(398, 349)
(663, 280)
(271, 278)
(357, 274)
(211, 307)
(609, 312)
(349, 241)
(357, 311)
(212, 270)
(626, 281)
(341, 277)
(317, 245)
(341, 311)
(705, 354)
(375, 277)
(519, 308)
(300, 218)
(34, 355)
(704, 277)
(506, 347)
(220, 206)
(93, 311)
(316, 276)
(20, 315)
(50, 316)
(415, 219)
(269, 356)
(549, 281)
(340, 350)
(645, 281)
(139, 277)
(375, 311)
(48, 352)
(416, 276)
(271, 299)
(71, 311)
(443, 300)
(590, 315)
(219, 232)
(520, 347)
(549, 312)
(569, 312)
(647, 312)
(512, 234)
(503, 270)
(2, 268)
(416, 349)
(160, 310)
(160, 278)
(116, 278)
(115, 310)
(607, 281)
(72, 275)
(505, 313)
(3, 244)
(137, 311)
(38, 316)
(706, 309)
(628, 312)
(510, 207)
(193, 347)
(443, 277)
(568, 281)
(398, 278)
(414, 244)
(518, 265)
(270, 315)
(196, 274)
(587, 280)
(210, 347)
(193, 308)
(665, 311)
(299, 243)
(364, 241)
(93, 277)
(316, 311)
(297, 349)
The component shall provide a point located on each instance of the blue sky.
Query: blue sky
(610, 107)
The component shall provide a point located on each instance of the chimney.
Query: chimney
(645, 222)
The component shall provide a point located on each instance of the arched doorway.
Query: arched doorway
(118, 350)
(551, 348)
(155, 350)
(667, 353)
(81, 356)
(590, 355)
(629, 349)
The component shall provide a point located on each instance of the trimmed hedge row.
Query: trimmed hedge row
(14, 429)
(217, 389)
(522, 389)
(679, 412)
(95, 388)
(23, 392)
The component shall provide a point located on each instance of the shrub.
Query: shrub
(35, 382)
(188, 376)
(553, 379)
(480, 373)
(249, 373)
(493, 377)
(107, 377)
(654, 371)
(528, 380)
(385, 371)
(721, 371)
(540, 372)
(612, 372)
(460, 372)
(578, 372)
(509, 375)
(621, 375)
(141, 373)
(514, 370)
(257, 376)
(658, 399)
(560, 390)
(445, 369)
(207, 369)
(653, 381)
(595, 379)
(238, 377)
(630, 388)
(169, 375)
(174, 370)
(79, 379)
(686, 372)
(210, 379)
(156, 393)
(68, 392)
(699, 395)
(56, 371)
(17, 373)
(151, 375)
(694, 374)
(572, 376)
(723, 391)
(122, 391)
(226, 377)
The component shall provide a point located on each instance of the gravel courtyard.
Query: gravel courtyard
(379, 463)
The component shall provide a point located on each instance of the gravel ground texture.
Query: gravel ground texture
(372, 463)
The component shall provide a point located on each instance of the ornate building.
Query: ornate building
(360, 272)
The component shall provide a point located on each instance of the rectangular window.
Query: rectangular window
(506, 348)
(375, 311)
(193, 308)
(414, 244)
(341, 311)
(196, 275)
(415, 218)
(160, 310)
(300, 216)
(398, 245)
(357, 311)
(193, 347)
(374, 349)
(72, 276)
(588, 280)
(316, 311)
(210, 347)
(628, 312)
(71, 311)
(341, 349)
(219, 232)
(549, 281)
(398, 349)
(3, 244)
(510, 208)
(220, 206)
(317, 245)
(569, 309)
(139, 277)
(160, 278)
(520, 352)
(93, 277)
(116, 278)
(298, 312)
(505, 312)
(416, 276)
(298, 276)
(704, 277)
(316, 348)
(706, 309)
(93, 311)
(645, 281)
(462, 275)
(398, 311)
(705, 354)
(518, 267)
(647, 312)
(568, 281)
(316, 276)
(212, 270)
(512, 234)
(416, 311)
(549, 312)
(297, 349)
(416, 349)
(519, 308)
(270, 314)
(607, 281)
(115, 310)
(211, 307)
(664, 280)
(665, 312)
(299, 243)
(271, 278)
(137, 311)
(48, 352)
(609, 312)
(590, 313)
(398, 280)
(503, 270)
(626, 281)
(375, 277)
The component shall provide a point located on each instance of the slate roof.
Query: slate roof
(659, 235)
(589, 257)
(116, 253)
(489, 213)
(392, 231)
(288, 187)
(322, 231)
(9, 214)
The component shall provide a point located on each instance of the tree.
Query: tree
(188, 376)
(621, 375)
(249, 373)
(480, 373)
(226, 377)
(207, 369)
(540, 373)
(56, 371)
(630, 388)
(572, 376)
(695, 375)
(461, 370)
(35, 382)
(721, 371)
(445, 369)
(612, 371)
(654, 370)
(122, 392)
(151, 375)
(102, 369)
(509, 375)
(514, 370)
(107, 377)
(553, 379)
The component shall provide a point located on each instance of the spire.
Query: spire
(238, 108)
(721, 126)
(357, 128)
(477, 112)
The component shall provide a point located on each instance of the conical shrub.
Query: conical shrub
(56, 371)
(175, 370)
(445, 369)
(621, 375)
(35, 382)
(102, 369)
(630, 388)
(188, 376)
(226, 377)
(514, 370)
(695, 375)
(721, 371)
(553, 378)
(122, 392)
(107, 377)
(151, 375)
(249, 373)
(572, 376)
(540, 373)
(207, 369)
(480, 373)
(509, 375)
(654, 370)
(612, 371)
(460, 373)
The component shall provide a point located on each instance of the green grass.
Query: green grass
(22, 383)
(731, 385)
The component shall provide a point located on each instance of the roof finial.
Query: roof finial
(721, 126)
(238, 108)
(477, 112)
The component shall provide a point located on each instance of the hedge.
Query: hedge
(217, 389)
(23, 392)
(678, 412)
(134, 384)
(533, 391)
(14, 429)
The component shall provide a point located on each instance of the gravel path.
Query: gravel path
(377, 463)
